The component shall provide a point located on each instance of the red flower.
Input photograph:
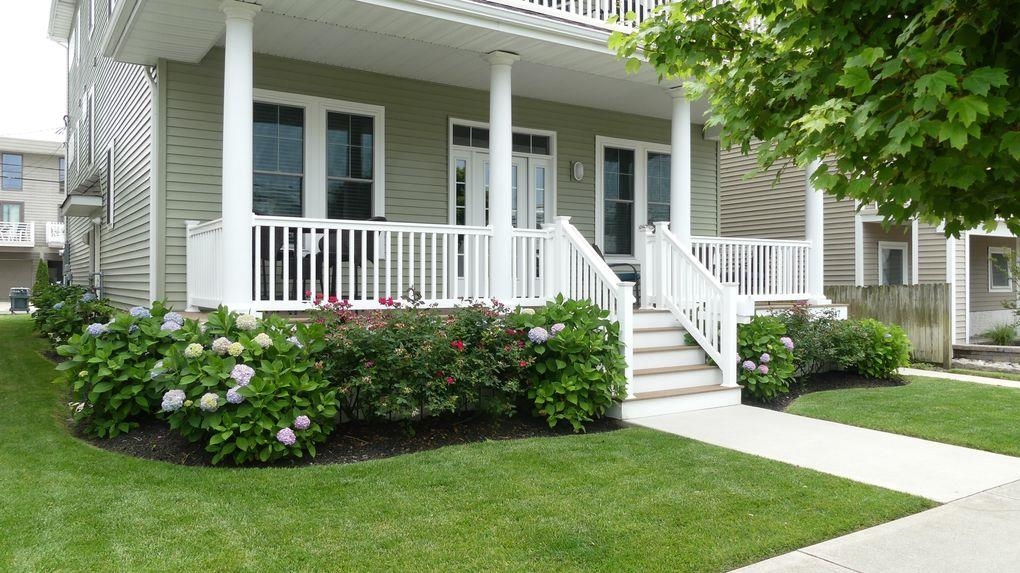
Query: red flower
(520, 343)
(308, 293)
(457, 345)
(523, 363)
(332, 299)
(449, 380)
(319, 296)
(369, 363)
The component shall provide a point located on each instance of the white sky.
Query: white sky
(33, 95)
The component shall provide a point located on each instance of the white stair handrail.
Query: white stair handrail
(706, 308)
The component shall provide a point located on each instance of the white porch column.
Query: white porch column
(814, 231)
(500, 166)
(680, 167)
(237, 154)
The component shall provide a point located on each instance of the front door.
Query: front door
(530, 182)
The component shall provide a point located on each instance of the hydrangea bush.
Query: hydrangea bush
(410, 362)
(766, 358)
(577, 369)
(108, 370)
(62, 311)
(251, 389)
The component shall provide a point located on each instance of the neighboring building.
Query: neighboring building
(233, 153)
(861, 250)
(31, 189)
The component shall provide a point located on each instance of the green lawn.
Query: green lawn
(962, 413)
(986, 374)
(624, 501)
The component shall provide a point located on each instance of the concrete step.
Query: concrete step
(650, 336)
(677, 400)
(675, 377)
(649, 318)
(674, 355)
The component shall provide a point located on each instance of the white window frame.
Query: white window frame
(111, 184)
(1004, 251)
(641, 149)
(314, 198)
(893, 245)
(454, 152)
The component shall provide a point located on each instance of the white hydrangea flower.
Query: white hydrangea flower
(220, 345)
(235, 349)
(247, 322)
(209, 402)
(263, 340)
(193, 350)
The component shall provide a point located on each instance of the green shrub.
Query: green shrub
(1002, 335)
(42, 276)
(886, 349)
(410, 362)
(250, 389)
(65, 310)
(109, 370)
(816, 338)
(766, 366)
(577, 369)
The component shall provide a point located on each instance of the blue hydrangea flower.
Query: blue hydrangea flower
(556, 328)
(58, 306)
(88, 297)
(294, 340)
(133, 329)
(286, 437)
(140, 312)
(538, 335)
(174, 317)
(233, 396)
(748, 365)
(170, 326)
(242, 374)
(765, 358)
(96, 329)
(173, 400)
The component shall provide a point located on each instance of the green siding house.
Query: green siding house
(265, 154)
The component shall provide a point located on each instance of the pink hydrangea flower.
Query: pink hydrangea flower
(302, 423)
(763, 368)
(748, 365)
(286, 437)
(787, 342)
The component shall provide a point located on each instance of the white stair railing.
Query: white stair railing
(675, 280)
(575, 270)
(762, 269)
(529, 248)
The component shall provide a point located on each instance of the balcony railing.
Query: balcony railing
(764, 270)
(55, 235)
(17, 234)
(591, 12)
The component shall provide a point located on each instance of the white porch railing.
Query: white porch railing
(530, 265)
(204, 257)
(762, 269)
(55, 235)
(17, 234)
(675, 280)
(591, 12)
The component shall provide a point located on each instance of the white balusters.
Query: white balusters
(763, 269)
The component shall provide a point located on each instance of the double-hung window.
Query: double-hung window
(634, 190)
(1000, 278)
(316, 157)
(11, 170)
(11, 212)
(892, 263)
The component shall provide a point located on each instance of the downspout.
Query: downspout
(156, 240)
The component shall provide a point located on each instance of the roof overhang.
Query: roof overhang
(77, 205)
(61, 19)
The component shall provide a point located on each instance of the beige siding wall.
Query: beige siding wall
(121, 121)
(981, 298)
(756, 204)
(417, 116)
(960, 251)
(931, 255)
(874, 233)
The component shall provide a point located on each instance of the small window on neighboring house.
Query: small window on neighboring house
(10, 172)
(12, 212)
(892, 263)
(999, 271)
(110, 183)
(62, 174)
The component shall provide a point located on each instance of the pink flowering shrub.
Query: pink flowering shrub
(766, 358)
(409, 362)
(249, 401)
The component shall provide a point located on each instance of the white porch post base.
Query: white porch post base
(237, 154)
(680, 167)
(814, 231)
(500, 168)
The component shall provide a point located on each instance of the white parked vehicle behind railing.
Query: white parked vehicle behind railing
(675, 280)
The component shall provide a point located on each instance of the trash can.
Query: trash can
(19, 299)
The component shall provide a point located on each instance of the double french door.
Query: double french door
(530, 185)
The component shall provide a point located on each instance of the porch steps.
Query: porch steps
(669, 374)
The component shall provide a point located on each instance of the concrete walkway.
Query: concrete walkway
(936, 471)
(975, 534)
(960, 378)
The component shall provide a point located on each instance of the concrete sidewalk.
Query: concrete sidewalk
(940, 472)
(976, 534)
(960, 378)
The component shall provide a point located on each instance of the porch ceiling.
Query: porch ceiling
(439, 41)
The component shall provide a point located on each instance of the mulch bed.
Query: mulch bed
(821, 383)
(354, 441)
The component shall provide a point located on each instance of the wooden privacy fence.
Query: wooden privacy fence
(923, 311)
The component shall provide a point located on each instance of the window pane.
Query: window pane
(892, 266)
(11, 212)
(1000, 270)
(10, 169)
(619, 228)
(349, 145)
(480, 137)
(461, 135)
(540, 144)
(522, 143)
(658, 177)
(460, 200)
(349, 200)
(658, 212)
(539, 195)
(277, 195)
(266, 149)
